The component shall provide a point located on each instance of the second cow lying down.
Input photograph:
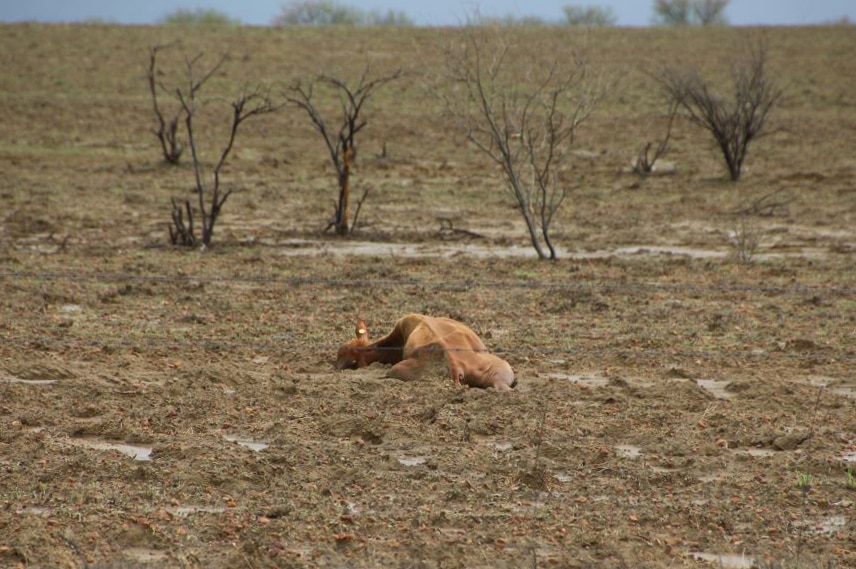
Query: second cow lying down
(416, 340)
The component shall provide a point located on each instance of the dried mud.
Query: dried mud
(162, 407)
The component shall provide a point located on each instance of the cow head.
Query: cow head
(352, 354)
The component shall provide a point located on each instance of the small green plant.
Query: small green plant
(804, 482)
(851, 478)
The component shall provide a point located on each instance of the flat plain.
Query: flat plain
(677, 406)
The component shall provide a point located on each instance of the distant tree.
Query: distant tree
(332, 13)
(841, 21)
(318, 13)
(672, 12)
(589, 16)
(685, 12)
(199, 17)
(510, 21)
(388, 18)
(710, 12)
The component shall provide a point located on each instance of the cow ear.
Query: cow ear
(362, 330)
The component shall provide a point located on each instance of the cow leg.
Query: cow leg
(456, 370)
(405, 370)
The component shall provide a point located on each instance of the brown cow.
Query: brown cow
(416, 340)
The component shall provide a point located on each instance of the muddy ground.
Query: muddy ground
(678, 405)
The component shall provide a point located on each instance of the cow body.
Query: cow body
(417, 340)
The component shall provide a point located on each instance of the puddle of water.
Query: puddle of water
(826, 382)
(255, 446)
(412, 460)
(715, 387)
(184, 511)
(144, 555)
(135, 452)
(313, 248)
(843, 390)
(828, 526)
(305, 247)
(628, 451)
(12, 379)
(725, 561)
(756, 452)
(656, 250)
(591, 380)
(34, 511)
(712, 478)
(664, 469)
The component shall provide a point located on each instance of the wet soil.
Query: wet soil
(678, 405)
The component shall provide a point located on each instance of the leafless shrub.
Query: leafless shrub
(769, 205)
(210, 196)
(745, 239)
(167, 131)
(525, 125)
(735, 123)
(646, 160)
(536, 475)
(746, 236)
(340, 140)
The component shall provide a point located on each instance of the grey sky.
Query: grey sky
(436, 12)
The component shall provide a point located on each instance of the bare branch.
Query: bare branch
(734, 124)
(210, 198)
(524, 128)
(341, 145)
(167, 131)
(645, 161)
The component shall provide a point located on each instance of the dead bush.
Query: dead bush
(524, 125)
(210, 195)
(733, 122)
